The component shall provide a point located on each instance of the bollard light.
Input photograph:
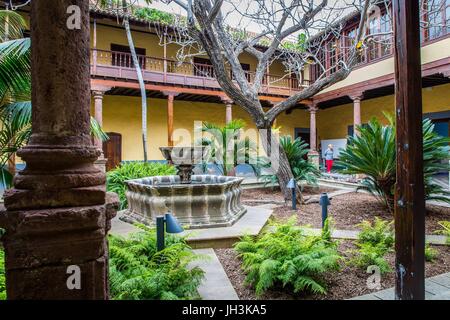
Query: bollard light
(167, 223)
(324, 203)
(292, 185)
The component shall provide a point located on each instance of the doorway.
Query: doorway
(112, 149)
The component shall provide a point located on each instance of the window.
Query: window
(121, 56)
(437, 18)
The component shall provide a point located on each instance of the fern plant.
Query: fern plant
(374, 242)
(288, 257)
(430, 253)
(2, 276)
(115, 179)
(138, 271)
(445, 230)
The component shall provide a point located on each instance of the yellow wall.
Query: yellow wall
(332, 123)
(123, 115)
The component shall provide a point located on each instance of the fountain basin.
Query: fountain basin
(208, 201)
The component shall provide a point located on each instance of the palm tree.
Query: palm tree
(15, 93)
(227, 150)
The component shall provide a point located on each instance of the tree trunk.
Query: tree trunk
(141, 86)
(284, 172)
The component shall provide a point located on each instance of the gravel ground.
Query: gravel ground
(347, 210)
(347, 283)
(274, 194)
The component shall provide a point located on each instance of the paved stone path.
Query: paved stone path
(215, 285)
(353, 235)
(436, 288)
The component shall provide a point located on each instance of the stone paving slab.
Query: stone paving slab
(250, 224)
(215, 285)
(435, 289)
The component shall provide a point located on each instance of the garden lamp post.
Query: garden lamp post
(291, 185)
(324, 203)
(166, 223)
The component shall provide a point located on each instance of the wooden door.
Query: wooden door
(112, 150)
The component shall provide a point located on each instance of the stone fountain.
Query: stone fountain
(199, 201)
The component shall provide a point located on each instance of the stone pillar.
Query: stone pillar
(356, 112)
(313, 155)
(228, 109)
(170, 98)
(58, 213)
(98, 94)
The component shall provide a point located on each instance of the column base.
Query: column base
(41, 245)
(313, 157)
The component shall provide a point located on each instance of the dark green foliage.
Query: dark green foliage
(288, 257)
(138, 272)
(373, 154)
(374, 242)
(154, 15)
(296, 151)
(2, 276)
(115, 179)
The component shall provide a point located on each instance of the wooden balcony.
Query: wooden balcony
(119, 65)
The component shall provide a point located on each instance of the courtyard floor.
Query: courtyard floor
(224, 278)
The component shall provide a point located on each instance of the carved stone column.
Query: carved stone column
(228, 109)
(58, 213)
(98, 93)
(356, 112)
(313, 155)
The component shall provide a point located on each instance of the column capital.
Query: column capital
(312, 106)
(170, 93)
(226, 100)
(357, 96)
(98, 89)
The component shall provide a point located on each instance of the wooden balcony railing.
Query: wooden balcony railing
(119, 65)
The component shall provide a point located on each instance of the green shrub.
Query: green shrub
(115, 179)
(288, 257)
(2, 276)
(374, 242)
(430, 253)
(445, 230)
(138, 271)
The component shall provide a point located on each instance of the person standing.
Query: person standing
(329, 156)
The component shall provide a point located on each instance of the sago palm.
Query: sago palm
(303, 170)
(372, 153)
